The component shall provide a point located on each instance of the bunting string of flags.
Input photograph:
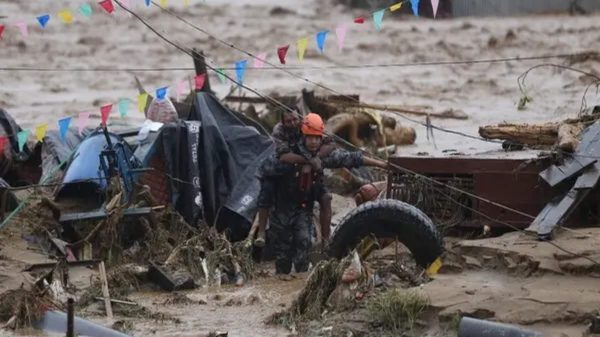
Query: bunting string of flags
(82, 119)
(181, 87)
(86, 10)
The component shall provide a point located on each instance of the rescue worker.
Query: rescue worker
(297, 187)
(286, 135)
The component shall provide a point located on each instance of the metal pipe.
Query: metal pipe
(70, 318)
(471, 327)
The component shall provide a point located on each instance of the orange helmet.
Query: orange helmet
(313, 125)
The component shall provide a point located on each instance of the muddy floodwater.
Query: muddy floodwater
(241, 311)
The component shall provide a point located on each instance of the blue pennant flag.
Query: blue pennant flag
(415, 6)
(321, 36)
(378, 19)
(147, 3)
(161, 93)
(43, 20)
(240, 69)
(22, 139)
(63, 127)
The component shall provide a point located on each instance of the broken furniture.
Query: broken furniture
(581, 172)
(510, 182)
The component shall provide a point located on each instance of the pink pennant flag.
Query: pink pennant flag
(259, 61)
(199, 81)
(105, 112)
(340, 32)
(181, 89)
(23, 28)
(434, 6)
(82, 121)
(107, 5)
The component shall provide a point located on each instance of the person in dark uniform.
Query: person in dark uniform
(297, 187)
(287, 135)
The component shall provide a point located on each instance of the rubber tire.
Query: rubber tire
(388, 218)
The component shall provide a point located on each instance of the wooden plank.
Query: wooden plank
(105, 291)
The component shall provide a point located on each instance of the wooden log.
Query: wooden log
(528, 134)
(105, 291)
(567, 136)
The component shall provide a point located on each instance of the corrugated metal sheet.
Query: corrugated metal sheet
(518, 7)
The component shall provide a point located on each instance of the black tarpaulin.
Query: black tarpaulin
(229, 156)
(214, 158)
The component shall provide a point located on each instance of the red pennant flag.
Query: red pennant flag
(282, 52)
(199, 80)
(105, 112)
(107, 5)
(1, 31)
(3, 141)
(360, 20)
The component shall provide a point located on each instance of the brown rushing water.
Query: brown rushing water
(241, 311)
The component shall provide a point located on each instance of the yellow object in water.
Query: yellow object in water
(434, 267)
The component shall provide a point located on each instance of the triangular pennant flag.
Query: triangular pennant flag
(282, 52)
(43, 20)
(259, 61)
(434, 5)
(199, 81)
(415, 6)
(302, 44)
(321, 37)
(240, 70)
(378, 18)
(142, 100)
(360, 20)
(340, 32)
(221, 75)
(86, 10)
(161, 93)
(1, 30)
(396, 7)
(105, 112)
(63, 127)
(3, 141)
(66, 16)
(23, 28)
(163, 3)
(123, 107)
(82, 121)
(22, 139)
(40, 132)
(147, 3)
(186, 2)
(107, 5)
(180, 89)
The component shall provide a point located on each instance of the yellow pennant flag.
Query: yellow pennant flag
(40, 132)
(66, 16)
(396, 7)
(302, 44)
(163, 3)
(186, 2)
(434, 267)
(142, 100)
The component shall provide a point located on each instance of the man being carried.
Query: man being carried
(287, 135)
(297, 187)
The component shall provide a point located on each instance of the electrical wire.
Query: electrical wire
(326, 67)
